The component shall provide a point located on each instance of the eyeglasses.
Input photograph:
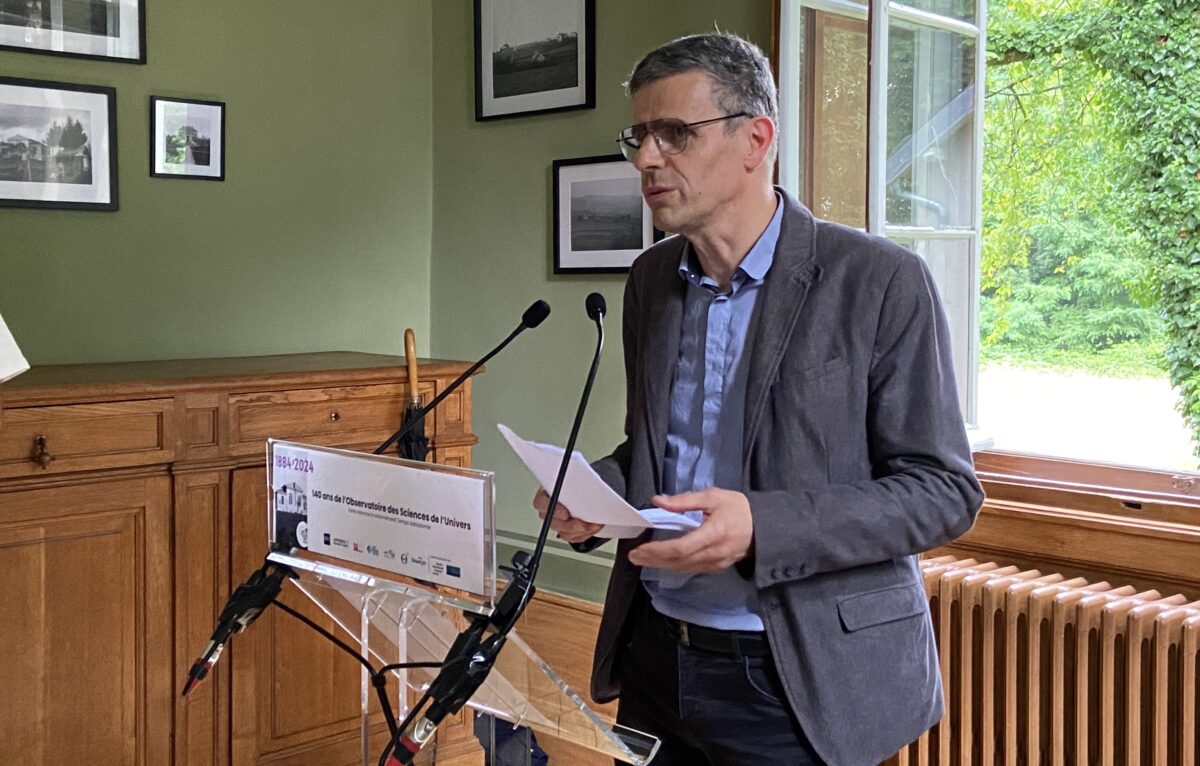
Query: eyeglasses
(670, 135)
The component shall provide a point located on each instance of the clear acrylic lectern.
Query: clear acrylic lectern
(395, 620)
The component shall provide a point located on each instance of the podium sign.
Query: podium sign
(421, 520)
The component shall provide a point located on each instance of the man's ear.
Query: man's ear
(760, 135)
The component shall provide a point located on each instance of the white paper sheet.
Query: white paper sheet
(12, 363)
(586, 494)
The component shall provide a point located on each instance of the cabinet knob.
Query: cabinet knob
(41, 455)
(335, 416)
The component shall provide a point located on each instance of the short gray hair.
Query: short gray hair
(740, 73)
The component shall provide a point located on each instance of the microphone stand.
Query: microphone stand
(474, 652)
(249, 599)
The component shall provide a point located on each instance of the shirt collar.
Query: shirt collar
(754, 266)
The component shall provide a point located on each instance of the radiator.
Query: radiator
(1042, 669)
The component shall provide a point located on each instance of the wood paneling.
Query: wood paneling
(85, 624)
(202, 582)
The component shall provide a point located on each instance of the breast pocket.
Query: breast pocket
(833, 368)
(865, 610)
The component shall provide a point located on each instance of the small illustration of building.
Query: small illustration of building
(290, 498)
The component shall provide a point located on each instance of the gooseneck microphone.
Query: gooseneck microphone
(533, 316)
(243, 607)
(473, 653)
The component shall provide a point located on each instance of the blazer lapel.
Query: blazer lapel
(660, 352)
(784, 291)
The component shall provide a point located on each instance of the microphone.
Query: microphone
(243, 607)
(595, 306)
(472, 655)
(532, 317)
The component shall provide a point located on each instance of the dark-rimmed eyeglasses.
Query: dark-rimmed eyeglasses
(670, 135)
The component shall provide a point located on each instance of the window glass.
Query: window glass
(963, 10)
(930, 127)
(950, 263)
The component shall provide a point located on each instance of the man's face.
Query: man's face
(686, 191)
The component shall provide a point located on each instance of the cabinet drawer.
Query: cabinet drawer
(85, 437)
(353, 415)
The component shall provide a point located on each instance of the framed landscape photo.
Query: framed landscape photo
(58, 145)
(534, 56)
(187, 139)
(601, 222)
(97, 29)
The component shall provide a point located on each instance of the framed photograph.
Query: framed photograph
(601, 222)
(114, 30)
(534, 56)
(58, 145)
(187, 139)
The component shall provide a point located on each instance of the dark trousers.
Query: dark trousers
(708, 708)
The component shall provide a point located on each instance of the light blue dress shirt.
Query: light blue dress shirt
(704, 432)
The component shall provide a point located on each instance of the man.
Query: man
(790, 379)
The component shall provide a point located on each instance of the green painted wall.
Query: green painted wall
(319, 238)
(493, 246)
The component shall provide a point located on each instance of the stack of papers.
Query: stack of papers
(588, 497)
(12, 363)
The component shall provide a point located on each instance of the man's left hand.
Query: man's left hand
(722, 539)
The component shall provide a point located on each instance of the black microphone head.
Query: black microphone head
(535, 314)
(595, 306)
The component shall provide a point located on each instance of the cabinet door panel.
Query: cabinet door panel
(201, 587)
(295, 695)
(85, 623)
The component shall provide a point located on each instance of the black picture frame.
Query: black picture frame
(601, 221)
(85, 29)
(58, 145)
(548, 57)
(187, 138)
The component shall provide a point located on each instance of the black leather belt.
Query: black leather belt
(738, 643)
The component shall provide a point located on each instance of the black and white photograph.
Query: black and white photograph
(187, 139)
(100, 29)
(534, 56)
(57, 145)
(601, 222)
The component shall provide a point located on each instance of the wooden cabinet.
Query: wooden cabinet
(132, 501)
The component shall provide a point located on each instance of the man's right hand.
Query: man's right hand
(568, 527)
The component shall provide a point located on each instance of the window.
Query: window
(897, 149)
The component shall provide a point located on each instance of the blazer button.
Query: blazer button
(776, 574)
(791, 572)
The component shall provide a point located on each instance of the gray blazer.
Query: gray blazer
(856, 459)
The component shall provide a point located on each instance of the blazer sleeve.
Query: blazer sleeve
(923, 492)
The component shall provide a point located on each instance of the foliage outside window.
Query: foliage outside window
(1095, 264)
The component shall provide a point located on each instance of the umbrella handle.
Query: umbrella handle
(410, 359)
